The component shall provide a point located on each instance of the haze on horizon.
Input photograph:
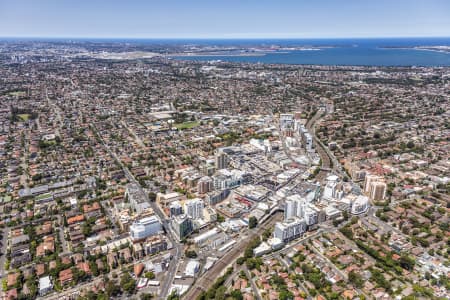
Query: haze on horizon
(224, 19)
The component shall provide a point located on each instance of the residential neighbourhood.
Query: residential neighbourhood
(155, 177)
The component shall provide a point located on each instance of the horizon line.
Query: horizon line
(218, 38)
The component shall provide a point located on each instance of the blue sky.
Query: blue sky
(224, 18)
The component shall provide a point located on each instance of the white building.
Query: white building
(311, 215)
(307, 141)
(136, 197)
(263, 145)
(360, 205)
(194, 208)
(294, 207)
(332, 213)
(144, 228)
(262, 249)
(290, 230)
(227, 179)
(286, 121)
(175, 208)
(45, 285)
(192, 268)
(206, 235)
(329, 191)
(275, 243)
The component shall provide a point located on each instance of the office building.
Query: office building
(144, 228)
(286, 121)
(307, 141)
(205, 185)
(360, 205)
(194, 208)
(228, 179)
(192, 268)
(311, 215)
(137, 198)
(290, 230)
(294, 207)
(221, 160)
(175, 209)
(215, 197)
(369, 179)
(377, 190)
(164, 200)
(182, 226)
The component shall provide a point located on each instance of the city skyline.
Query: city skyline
(233, 20)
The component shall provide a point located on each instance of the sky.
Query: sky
(224, 18)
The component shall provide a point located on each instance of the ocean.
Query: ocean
(356, 52)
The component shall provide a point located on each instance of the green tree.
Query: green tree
(173, 296)
(286, 295)
(146, 296)
(127, 283)
(112, 289)
(356, 279)
(237, 295)
(220, 218)
(406, 262)
(252, 221)
(220, 293)
(190, 254)
(152, 196)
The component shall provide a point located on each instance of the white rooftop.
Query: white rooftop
(45, 283)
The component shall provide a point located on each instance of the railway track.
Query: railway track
(207, 279)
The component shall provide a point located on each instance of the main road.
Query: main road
(329, 161)
(173, 239)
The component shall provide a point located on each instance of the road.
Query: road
(371, 215)
(173, 239)
(136, 137)
(333, 266)
(57, 112)
(3, 246)
(73, 292)
(287, 248)
(325, 259)
(286, 265)
(321, 149)
(66, 294)
(24, 160)
(252, 283)
(61, 235)
(328, 158)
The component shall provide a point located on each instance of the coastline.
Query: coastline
(437, 49)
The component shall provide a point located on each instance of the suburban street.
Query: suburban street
(178, 246)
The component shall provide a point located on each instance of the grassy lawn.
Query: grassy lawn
(43, 196)
(17, 93)
(186, 125)
(24, 117)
